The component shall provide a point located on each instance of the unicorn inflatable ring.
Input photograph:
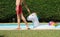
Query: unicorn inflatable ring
(36, 25)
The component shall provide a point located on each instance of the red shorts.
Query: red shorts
(18, 9)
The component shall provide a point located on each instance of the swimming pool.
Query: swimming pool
(14, 25)
(8, 26)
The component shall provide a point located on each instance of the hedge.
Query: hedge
(46, 9)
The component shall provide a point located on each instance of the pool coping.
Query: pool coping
(26, 29)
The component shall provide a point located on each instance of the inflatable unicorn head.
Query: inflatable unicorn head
(33, 17)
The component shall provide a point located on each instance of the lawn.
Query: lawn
(29, 33)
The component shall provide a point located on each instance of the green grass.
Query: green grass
(29, 33)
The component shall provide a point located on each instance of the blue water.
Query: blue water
(22, 25)
(14, 25)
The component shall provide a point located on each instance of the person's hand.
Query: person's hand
(29, 13)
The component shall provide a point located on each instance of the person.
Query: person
(20, 13)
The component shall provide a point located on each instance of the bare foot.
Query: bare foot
(18, 28)
(28, 28)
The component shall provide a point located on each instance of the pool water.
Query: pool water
(23, 26)
(14, 25)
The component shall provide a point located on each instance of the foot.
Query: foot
(18, 28)
(28, 28)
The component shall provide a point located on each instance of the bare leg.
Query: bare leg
(23, 18)
(18, 20)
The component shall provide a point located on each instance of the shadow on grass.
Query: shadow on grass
(1, 35)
